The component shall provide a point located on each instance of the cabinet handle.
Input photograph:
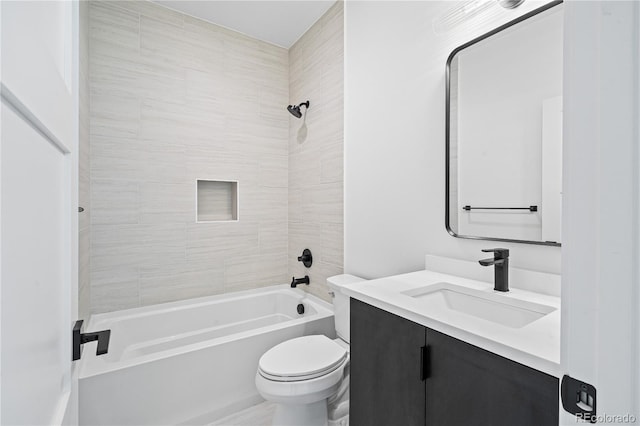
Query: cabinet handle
(424, 363)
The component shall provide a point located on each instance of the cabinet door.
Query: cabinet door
(386, 387)
(469, 386)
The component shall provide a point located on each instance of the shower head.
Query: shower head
(295, 110)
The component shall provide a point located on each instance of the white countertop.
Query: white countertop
(536, 344)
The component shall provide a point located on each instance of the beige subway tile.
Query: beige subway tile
(114, 202)
(114, 116)
(209, 87)
(166, 203)
(332, 244)
(305, 167)
(114, 246)
(111, 76)
(255, 271)
(209, 243)
(164, 286)
(316, 163)
(151, 10)
(332, 164)
(164, 120)
(162, 244)
(318, 277)
(175, 99)
(84, 272)
(263, 203)
(113, 25)
(273, 236)
(273, 171)
(114, 296)
(303, 235)
(162, 47)
(115, 158)
(163, 161)
(166, 88)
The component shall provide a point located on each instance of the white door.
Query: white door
(38, 212)
(601, 218)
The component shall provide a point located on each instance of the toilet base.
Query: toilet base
(342, 421)
(314, 414)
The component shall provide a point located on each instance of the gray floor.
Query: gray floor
(258, 415)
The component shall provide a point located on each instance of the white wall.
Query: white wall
(394, 139)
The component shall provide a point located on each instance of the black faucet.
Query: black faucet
(296, 281)
(501, 262)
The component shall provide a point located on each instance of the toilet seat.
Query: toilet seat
(302, 358)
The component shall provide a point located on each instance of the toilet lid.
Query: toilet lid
(302, 358)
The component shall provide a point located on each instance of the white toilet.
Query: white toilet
(309, 376)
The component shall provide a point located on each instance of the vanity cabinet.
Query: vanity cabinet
(403, 373)
(386, 387)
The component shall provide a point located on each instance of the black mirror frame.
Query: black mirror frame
(448, 124)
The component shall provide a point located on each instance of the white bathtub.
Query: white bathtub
(190, 362)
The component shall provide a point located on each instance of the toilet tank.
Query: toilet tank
(341, 302)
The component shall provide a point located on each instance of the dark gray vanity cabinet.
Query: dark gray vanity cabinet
(385, 387)
(463, 384)
(470, 386)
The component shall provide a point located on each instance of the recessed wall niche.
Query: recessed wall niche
(216, 201)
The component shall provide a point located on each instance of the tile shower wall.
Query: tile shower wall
(84, 182)
(316, 156)
(174, 99)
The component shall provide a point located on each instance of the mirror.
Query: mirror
(504, 132)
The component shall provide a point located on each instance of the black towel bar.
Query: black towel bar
(530, 208)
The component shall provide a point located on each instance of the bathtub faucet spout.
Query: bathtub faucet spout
(296, 281)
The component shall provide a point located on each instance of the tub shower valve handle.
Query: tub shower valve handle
(306, 258)
(297, 281)
(79, 338)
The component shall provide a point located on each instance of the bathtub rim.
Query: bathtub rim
(91, 366)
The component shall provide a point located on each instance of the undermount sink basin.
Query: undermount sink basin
(494, 307)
